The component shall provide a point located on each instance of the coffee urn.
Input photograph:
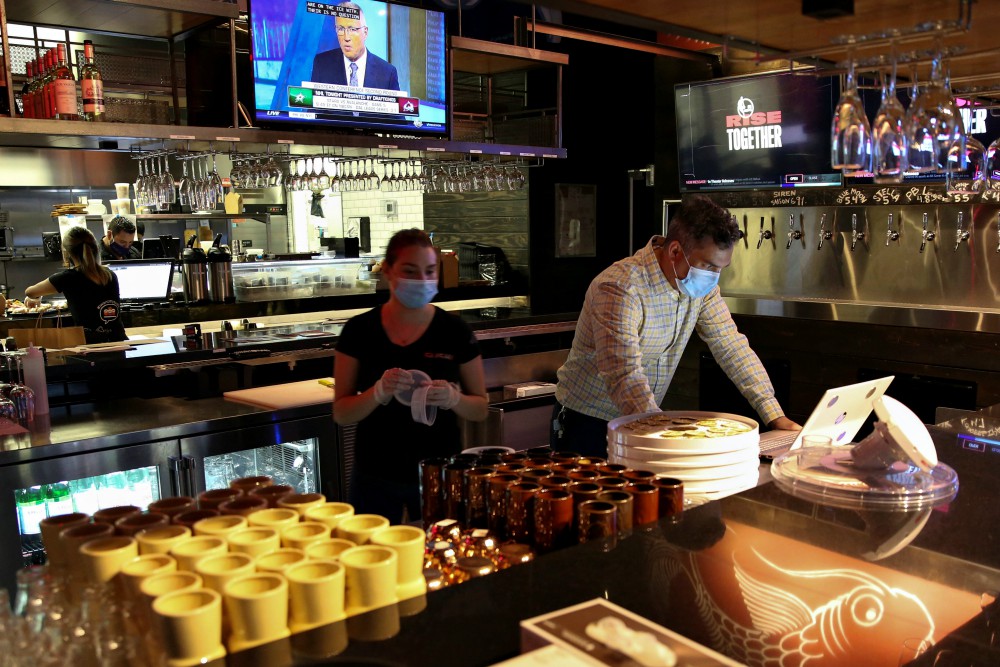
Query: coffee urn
(194, 264)
(220, 272)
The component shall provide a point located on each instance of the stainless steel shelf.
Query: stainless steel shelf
(28, 132)
(151, 18)
(480, 57)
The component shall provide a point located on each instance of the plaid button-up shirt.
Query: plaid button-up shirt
(631, 333)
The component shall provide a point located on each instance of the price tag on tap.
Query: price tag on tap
(852, 196)
(886, 196)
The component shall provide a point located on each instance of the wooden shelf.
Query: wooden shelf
(28, 132)
(150, 18)
(479, 57)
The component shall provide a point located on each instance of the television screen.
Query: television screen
(770, 131)
(365, 65)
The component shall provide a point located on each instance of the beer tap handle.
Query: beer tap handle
(960, 233)
(765, 233)
(793, 234)
(855, 234)
(925, 235)
(824, 234)
(891, 234)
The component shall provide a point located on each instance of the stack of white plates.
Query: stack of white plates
(718, 463)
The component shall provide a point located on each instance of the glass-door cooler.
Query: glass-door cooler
(302, 453)
(86, 482)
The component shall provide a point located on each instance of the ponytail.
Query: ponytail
(81, 248)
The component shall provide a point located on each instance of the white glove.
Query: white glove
(443, 394)
(393, 380)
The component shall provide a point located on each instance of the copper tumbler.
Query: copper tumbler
(556, 482)
(582, 491)
(598, 523)
(611, 469)
(639, 476)
(645, 503)
(455, 494)
(476, 484)
(272, 493)
(622, 500)
(584, 475)
(535, 474)
(512, 466)
(611, 482)
(565, 457)
(496, 502)
(553, 519)
(432, 490)
(520, 511)
(591, 462)
(671, 495)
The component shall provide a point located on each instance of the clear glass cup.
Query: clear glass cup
(851, 136)
(889, 134)
(933, 124)
(966, 168)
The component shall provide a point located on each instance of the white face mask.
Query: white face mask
(698, 282)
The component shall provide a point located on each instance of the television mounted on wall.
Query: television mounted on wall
(364, 65)
(758, 132)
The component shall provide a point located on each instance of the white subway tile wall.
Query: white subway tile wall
(389, 212)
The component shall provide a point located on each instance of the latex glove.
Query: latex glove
(393, 380)
(443, 394)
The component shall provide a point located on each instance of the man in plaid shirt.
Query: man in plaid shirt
(636, 320)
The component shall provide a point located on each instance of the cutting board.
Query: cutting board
(290, 395)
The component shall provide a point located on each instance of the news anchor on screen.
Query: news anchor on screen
(352, 64)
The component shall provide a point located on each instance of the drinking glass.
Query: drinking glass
(370, 176)
(966, 167)
(933, 123)
(993, 167)
(851, 139)
(888, 134)
(216, 182)
(183, 190)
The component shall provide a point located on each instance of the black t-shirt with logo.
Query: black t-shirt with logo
(389, 443)
(96, 308)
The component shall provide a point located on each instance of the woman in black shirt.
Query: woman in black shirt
(375, 354)
(91, 290)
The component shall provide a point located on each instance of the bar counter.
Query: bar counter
(763, 577)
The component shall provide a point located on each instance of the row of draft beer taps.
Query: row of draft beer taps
(860, 230)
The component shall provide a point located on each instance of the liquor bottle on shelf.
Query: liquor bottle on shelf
(48, 85)
(67, 103)
(4, 99)
(91, 85)
(27, 103)
(38, 92)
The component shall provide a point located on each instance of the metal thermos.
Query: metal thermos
(194, 263)
(220, 272)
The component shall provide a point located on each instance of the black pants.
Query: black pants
(577, 432)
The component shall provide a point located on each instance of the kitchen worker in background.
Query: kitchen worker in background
(636, 320)
(376, 353)
(117, 243)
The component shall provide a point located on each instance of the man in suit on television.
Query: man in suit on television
(353, 64)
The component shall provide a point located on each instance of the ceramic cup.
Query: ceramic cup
(257, 607)
(173, 506)
(170, 582)
(210, 500)
(254, 542)
(52, 527)
(553, 519)
(272, 493)
(192, 517)
(278, 518)
(220, 526)
(303, 534)
(316, 593)
(103, 558)
(302, 502)
(328, 549)
(189, 552)
(279, 560)
(371, 578)
(243, 505)
(141, 568)
(161, 540)
(112, 514)
(622, 500)
(521, 511)
(330, 514)
(360, 527)
(408, 543)
(217, 571)
(73, 538)
(598, 522)
(646, 501)
(190, 625)
(246, 484)
(135, 523)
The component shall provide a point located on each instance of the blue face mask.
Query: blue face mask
(415, 293)
(698, 282)
(119, 249)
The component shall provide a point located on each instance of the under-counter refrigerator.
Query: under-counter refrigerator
(300, 452)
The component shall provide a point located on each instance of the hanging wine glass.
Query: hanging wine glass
(933, 123)
(993, 168)
(851, 140)
(888, 133)
(966, 167)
